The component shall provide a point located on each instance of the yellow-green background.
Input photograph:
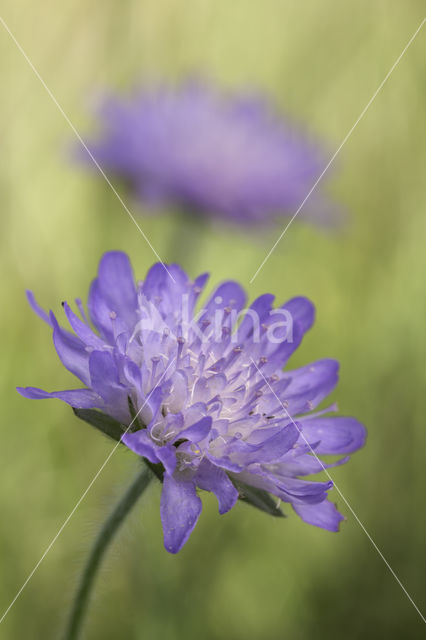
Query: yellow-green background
(243, 575)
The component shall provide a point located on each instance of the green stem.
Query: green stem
(105, 536)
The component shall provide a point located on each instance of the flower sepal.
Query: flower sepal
(109, 426)
(258, 498)
(115, 430)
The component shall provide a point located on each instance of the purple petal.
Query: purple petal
(152, 405)
(226, 463)
(199, 284)
(234, 454)
(276, 446)
(197, 431)
(279, 354)
(105, 381)
(310, 385)
(180, 508)
(36, 307)
(167, 456)
(71, 351)
(257, 314)
(156, 279)
(132, 373)
(100, 312)
(336, 434)
(116, 284)
(166, 288)
(83, 331)
(303, 490)
(302, 311)
(227, 295)
(103, 373)
(306, 464)
(311, 376)
(324, 515)
(141, 443)
(212, 478)
(78, 398)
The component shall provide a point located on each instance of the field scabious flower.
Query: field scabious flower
(227, 157)
(204, 390)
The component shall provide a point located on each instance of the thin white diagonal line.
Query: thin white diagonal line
(345, 139)
(80, 139)
(344, 499)
(80, 500)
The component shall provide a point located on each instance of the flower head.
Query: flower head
(202, 394)
(228, 157)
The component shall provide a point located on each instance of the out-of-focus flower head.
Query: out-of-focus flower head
(201, 394)
(226, 156)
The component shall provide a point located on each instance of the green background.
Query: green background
(243, 575)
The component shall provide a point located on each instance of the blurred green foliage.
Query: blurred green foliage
(243, 575)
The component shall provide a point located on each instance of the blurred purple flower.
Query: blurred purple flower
(227, 157)
(214, 408)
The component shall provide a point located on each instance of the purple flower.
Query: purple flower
(228, 157)
(204, 391)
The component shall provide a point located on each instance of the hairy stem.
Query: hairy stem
(104, 538)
